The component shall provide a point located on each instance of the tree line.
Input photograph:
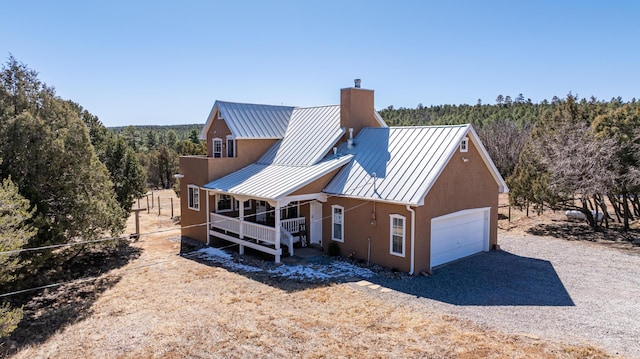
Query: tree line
(567, 153)
(158, 148)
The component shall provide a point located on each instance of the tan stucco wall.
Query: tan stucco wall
(218, 129)
(358, 216)
(318, 185)
(200, 170)
(460, 186)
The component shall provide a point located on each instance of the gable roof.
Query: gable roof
(311, 134)
(251, 121)
(401, 164)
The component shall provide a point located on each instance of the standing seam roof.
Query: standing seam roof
(405, 160)
(255, 121)
(311, 133)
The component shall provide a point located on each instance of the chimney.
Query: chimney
(356, 109)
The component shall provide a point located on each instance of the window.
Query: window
(193, 197)
(291, 211)
(224, 203)
(464, 145)
(396, 231)
(217, 147)
(337, 221)
(231, 147)
(247, 204)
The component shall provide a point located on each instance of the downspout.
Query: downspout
(208, 219)
(413, 240)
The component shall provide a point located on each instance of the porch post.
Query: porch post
(241, 218)
(206, 194)
(277, 228)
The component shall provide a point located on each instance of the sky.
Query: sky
(166, 62)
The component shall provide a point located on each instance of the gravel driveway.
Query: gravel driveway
(572, 292)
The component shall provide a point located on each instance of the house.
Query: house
(277, 177)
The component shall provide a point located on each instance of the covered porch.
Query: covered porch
(266, 225)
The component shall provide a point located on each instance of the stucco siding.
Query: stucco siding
(461, 185)
(358, 228)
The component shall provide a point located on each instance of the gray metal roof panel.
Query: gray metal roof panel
(274, 181)
(311, 134)
(405, 160)
(255, 121)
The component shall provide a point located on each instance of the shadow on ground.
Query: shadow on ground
(51, 310)
(257, 265)
(578, 231)
(495, 278)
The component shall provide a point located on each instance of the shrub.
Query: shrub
(334, 249)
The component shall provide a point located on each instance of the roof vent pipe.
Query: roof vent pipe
(357, 83)
(335, 151)
(350, 140)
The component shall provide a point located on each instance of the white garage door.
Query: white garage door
(459, 234)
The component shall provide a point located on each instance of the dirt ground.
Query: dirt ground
(156, 303)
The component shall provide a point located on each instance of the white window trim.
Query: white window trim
(195, 201)
(404, 234)
(232, 139)
(250, 206)
(213, 147)
(464, 145)
(333, 223)
(218, 195)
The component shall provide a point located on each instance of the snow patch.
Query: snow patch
(313, 272)
(225, 259)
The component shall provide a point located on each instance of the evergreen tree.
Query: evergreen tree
(15, 232)
(48, 154)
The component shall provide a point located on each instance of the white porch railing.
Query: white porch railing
(249, 229)
(292, 225)
(225, 223)
(259, 232)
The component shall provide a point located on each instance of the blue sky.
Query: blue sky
(166, 62)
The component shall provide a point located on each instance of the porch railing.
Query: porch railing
(257, 231)
(292, 225)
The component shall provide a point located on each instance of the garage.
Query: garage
(459, 234)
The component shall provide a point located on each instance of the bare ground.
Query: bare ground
(160, 304)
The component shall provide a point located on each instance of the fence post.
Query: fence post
(148, 208)
(509, 213)
(158, 205)
(152, 204)
(171, 207)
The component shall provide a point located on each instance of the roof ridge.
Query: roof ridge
(426, 126)
(254, 104)
(308, 107)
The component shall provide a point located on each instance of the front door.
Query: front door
(315, 227)
(261, 212)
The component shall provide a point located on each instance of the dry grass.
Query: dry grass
(166, 306)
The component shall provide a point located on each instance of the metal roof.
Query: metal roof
(274, 181)
(251, 121)
(396, 164)
(311, 134)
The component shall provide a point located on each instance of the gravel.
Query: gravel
(571, 292)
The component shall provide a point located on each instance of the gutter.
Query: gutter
(413, 239)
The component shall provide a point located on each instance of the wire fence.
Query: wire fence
(153, 202)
